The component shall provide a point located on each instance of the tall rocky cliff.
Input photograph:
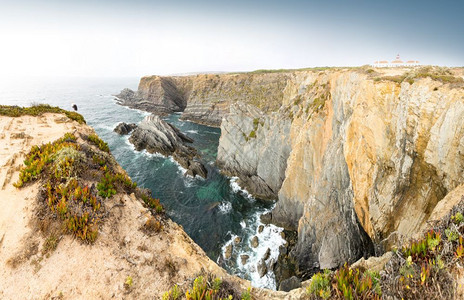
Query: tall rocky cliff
(353, 155)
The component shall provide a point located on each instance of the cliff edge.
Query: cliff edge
(129, 250)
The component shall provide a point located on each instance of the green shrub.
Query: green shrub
(99, 142)
(106, 187)
(458, 218)
(41, 156)
(207, 287)
(320, 285)
(172, 294)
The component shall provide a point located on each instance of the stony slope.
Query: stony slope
(32, 268)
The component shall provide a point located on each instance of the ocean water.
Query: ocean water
(213, 211)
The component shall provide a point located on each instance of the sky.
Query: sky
(137, 38)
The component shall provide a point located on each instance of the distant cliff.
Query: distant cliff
(205, 98)
(353, 155)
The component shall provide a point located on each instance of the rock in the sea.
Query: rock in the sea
(254, 242)
(196, 168)
(159, 95)
(260, 228)
(262, 268)
(156, 135)
(237, 240)
(228, 252)
(124, 128)
(290, 284)
(267, 254)
(244, 258)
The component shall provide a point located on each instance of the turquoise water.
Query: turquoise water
(212, 211)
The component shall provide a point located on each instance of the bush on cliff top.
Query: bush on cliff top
(66, 168)
(206, 286)
(37, 110)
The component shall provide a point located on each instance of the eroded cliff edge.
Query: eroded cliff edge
(353, 155)
(135, 254)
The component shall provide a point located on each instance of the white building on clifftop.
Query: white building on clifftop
(395, 63)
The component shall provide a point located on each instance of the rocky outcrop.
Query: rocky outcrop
(367, 159)
(156, 94)
(290, 284)
(156, 135)
(124, 128)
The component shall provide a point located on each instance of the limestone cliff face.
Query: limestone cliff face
(352, 156)
(386, 151)
(206, 98)
(212, 95)
(161, 95)
(255, 146)
(366, 156)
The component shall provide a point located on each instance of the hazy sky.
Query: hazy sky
(135, 38)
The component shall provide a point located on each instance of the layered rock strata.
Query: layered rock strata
(156, 135)
(255, 146)
(205, 98)
(352, 155)
(366, 156)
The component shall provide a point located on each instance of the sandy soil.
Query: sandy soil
(75, 270)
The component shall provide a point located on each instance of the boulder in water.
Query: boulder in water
(228, 252)
(196, 168)
(266, 218)
(124, 128)
(254, 242)
(244, 258)
(267, 254)
(262, 268)
(156, 135)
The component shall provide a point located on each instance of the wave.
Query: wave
(236, 188)
(225, 207)
(269, 238)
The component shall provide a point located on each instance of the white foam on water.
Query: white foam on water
(270, 238)
(105, 127)
(142, 112)
(192, 131)
(143, 152)
(236, 188)
(225, 207)
(182, 170)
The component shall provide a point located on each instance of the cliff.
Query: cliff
(129, 250)
(368, 155)
(205, 98)
(353, 155)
